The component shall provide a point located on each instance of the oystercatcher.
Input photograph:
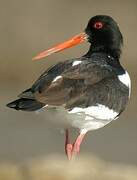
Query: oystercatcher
(88, 92)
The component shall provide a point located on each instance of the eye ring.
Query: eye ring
(98, 25)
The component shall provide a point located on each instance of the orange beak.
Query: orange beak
(67, 44)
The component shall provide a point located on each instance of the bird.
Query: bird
(89, 91)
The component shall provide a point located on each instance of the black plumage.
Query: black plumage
(96, 79)
(88, 92)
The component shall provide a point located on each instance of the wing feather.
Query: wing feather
(73, 84)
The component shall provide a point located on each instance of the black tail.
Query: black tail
(25, 104)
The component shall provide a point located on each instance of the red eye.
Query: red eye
(98, 25)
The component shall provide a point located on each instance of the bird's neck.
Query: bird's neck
(114, 52)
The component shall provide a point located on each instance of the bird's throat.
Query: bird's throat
(114, 52)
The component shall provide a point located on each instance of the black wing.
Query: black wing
(73, 83)
(81, 85)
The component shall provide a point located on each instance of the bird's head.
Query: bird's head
(102, 32)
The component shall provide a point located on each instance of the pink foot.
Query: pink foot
(76, 145)
(68, 146)
(73, 150)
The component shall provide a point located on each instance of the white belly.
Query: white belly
(94, 117)
(89, 118)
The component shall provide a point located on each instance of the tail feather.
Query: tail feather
(27, 94)
(25, 104)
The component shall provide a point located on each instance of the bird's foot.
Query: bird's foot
(72, 150)
(68, 145)
(76, 146)
(68, 150)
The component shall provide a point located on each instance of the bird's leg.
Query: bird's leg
(68, 145)
(76, 145)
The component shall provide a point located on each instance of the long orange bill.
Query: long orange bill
(67, 44)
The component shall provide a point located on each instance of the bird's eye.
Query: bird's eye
(98, 25)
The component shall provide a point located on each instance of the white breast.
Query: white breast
(125, 79)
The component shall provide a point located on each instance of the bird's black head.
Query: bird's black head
(104, 35)
(102, 32)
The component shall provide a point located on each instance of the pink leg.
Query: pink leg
(76, 145)
(68, 146)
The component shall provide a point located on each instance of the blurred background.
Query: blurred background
(30, 26)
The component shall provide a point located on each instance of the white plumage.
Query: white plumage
(76, 63)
